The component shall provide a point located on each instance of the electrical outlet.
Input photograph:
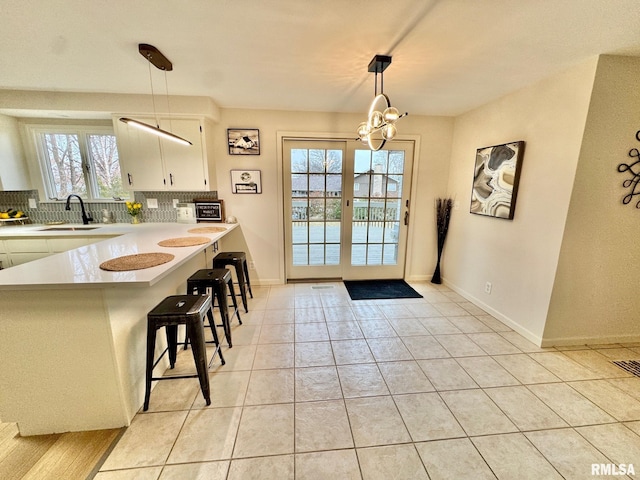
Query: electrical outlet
(152, 203)
(32, 203)
(252, 265)
(175, 203)
(487, 288)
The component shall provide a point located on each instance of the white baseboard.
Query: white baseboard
(494, 313)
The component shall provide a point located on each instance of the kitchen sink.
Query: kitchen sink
(66, 229)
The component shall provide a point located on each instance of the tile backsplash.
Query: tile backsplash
(55, 212)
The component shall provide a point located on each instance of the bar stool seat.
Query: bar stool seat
(218, 280)
(239, 261)
(188, 310)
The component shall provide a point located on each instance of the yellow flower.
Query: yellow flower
(133, 209)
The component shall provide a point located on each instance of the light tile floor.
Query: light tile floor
(321, 387)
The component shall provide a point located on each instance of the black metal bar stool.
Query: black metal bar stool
(218, 280)
(239, 262)
(177, 310)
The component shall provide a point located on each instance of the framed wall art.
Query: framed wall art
(495, 180)
(246, 181)
(243, 141)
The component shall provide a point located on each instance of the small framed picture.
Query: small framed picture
(243, 141)
(246, 181)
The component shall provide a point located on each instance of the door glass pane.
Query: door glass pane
(300, 232)
(390, 254)
(299, 209)
(299, 185)
(65, 164)
(333, 254)
(316, 232)
(299, 160)
(374, 254)
(316, 184)
(334, 209)
(300, 255)
(377, 206)
(333, 232)
(316, 254)
(317, 161)
(358, 254)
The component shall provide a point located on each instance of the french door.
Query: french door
(346, 209)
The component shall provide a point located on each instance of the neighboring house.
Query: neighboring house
(314, 185)
(383, 185)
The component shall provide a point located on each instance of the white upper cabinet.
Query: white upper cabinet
(149, 162)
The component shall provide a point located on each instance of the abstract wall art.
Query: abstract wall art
(495, 180)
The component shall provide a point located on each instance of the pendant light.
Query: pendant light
(382, 117)
(157, 59)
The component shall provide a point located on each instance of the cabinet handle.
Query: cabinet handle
(171, 178)
(406, 218)
(129, 179)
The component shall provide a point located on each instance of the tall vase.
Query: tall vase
(436, 273)
(443, 215)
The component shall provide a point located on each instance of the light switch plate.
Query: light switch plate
(152, 203)
(33, 203)
(175, 203)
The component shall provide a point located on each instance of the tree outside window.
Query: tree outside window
(80, 161)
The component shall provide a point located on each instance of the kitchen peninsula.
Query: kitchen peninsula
(73, 336)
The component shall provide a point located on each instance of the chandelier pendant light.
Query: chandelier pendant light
(382, 117)
(157, 59)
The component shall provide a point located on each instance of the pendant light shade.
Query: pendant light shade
(158, 60)
(381, 121)
(155, 130)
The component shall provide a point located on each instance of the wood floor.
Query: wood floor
(73, 455)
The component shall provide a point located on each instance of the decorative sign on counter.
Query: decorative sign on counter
(246, 181)
(208, 210)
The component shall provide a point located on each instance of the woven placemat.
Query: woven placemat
(207, 230)
(136, 262)
(184, 241)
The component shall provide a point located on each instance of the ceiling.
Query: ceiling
(449, 56)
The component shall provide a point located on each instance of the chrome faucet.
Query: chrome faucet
(85, 218)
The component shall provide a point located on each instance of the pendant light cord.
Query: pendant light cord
(153, 98)
(166, 89)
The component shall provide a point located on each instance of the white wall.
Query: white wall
(518, 257)
(595, 296)
(261, 216)
(13, 169)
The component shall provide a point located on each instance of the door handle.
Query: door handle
(406, 217)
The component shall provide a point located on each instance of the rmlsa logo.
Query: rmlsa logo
(612, 469)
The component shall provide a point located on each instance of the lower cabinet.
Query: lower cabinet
(15, 251)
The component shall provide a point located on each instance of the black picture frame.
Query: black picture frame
(243, 141)
(496, 178)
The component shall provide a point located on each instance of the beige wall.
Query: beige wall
(518, 257)
(595, 296)
(13, 171)
(261, 215)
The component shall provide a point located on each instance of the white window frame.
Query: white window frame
(46, 176)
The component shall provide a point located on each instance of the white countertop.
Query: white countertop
(80, 267)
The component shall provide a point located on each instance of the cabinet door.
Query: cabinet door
(140, 158)
(184, 165)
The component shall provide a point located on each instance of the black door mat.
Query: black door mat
(379, 289)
